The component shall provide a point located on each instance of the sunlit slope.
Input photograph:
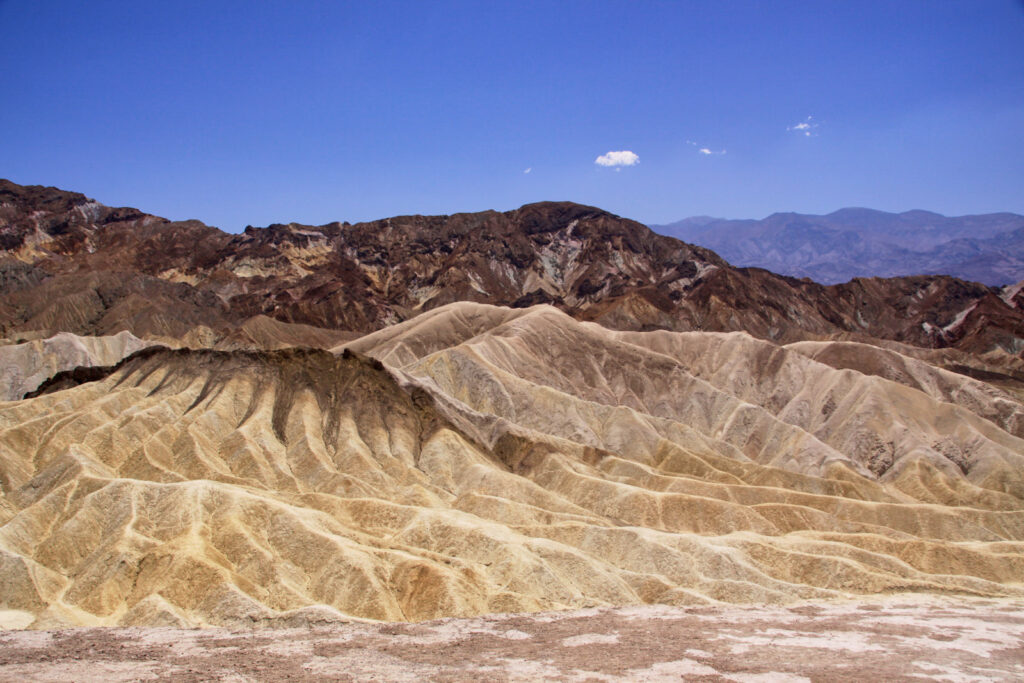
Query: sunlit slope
(751, 399)
(498, 460)
(23, 367)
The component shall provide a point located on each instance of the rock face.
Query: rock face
(73, 265)
(482, 459)
(853, 243)
(642, 423)
(23, 367)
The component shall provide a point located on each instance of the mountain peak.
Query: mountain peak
(553, 215)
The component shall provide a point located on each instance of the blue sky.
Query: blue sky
(256, 112)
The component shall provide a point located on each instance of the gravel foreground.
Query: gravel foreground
(889, 639)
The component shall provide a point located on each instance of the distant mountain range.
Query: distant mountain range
(857, 242)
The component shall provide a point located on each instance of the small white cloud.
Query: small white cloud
(618, 159)
(806, 127)
(528, 170)
(705, 151)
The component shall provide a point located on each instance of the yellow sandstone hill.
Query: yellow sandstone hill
(481, 459)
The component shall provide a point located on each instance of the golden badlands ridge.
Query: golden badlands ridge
(479, 459)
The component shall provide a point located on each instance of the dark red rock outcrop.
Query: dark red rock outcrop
(69, 263)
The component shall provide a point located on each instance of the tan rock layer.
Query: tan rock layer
(497, 461)
(23, 367)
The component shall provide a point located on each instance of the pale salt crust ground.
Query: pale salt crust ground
(887, 639)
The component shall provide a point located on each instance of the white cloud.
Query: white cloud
(806, 127)
(705, 151)
(620, 158)
(528, 170)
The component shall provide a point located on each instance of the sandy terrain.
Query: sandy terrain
(889, 639)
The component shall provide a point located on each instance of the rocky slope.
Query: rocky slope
(348, 431)
(73, 265)
(853, 243)
(23, 367)
(481, 459)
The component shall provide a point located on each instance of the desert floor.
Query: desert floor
(888, 639)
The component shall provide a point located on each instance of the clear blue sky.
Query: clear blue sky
(256, 112)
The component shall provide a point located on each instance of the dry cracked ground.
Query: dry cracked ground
(893, 639)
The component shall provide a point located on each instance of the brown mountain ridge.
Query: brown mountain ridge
(72, 264)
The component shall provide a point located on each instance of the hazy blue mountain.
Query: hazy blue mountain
(857, 242)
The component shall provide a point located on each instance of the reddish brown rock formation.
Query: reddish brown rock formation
(75, 265)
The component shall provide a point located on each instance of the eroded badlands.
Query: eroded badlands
(479, 459)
